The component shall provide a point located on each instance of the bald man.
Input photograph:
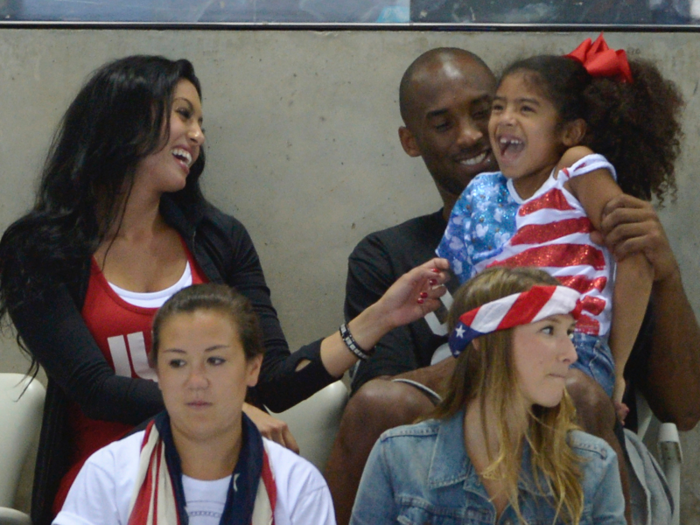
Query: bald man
(445, 99)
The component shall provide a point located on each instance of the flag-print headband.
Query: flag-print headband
(538, 303)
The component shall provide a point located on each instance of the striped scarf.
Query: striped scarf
(159, 497)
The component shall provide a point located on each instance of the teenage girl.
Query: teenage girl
(550, 113)
(202, 461)
(502, 445)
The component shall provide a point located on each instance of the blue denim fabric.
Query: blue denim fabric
(595, 359)
(421, 474)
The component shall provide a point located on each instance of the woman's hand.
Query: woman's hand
(414, 294)
(271, 428)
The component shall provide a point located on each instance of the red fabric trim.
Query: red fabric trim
(269, 480)
(541, 233)
(556, 256)
(594, 305)
(526, 306)
(139, 514)
(553, 199)
(583, 284)
(587, 325)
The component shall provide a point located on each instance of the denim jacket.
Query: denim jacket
(421, 474)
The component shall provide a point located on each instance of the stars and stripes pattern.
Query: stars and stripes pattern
(155, 499)
(536, 304)
(553, 233)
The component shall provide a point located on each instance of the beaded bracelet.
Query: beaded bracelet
(352, 345)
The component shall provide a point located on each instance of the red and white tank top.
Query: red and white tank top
(123, 332)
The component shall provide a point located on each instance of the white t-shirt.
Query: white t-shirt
(102, 491)
(205, 499)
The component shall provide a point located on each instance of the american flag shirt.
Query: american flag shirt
(491, 225)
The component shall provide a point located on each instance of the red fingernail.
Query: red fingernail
(435, 270)
(423, 295)
(420, 301)
(432, 282)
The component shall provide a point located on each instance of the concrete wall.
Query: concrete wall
(302, 144)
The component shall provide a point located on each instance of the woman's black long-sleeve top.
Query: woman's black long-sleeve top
(53, 330)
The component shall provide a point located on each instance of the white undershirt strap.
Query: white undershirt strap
(154, 299)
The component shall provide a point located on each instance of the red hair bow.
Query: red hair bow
(601, 61)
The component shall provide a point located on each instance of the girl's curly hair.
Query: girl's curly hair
(636, 125)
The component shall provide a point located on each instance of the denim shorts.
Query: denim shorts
(595, 359)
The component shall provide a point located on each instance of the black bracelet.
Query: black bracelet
(352, 345)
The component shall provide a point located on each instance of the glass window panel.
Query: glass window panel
(607, 12)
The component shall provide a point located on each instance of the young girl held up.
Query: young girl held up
(502, 446)
(550, 114)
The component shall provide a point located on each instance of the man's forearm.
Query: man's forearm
(672, 385)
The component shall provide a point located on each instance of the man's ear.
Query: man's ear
(573, 132)
(408, 142)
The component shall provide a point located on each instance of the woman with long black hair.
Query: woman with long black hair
(118, 226)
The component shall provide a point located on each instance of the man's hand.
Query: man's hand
(629, 226)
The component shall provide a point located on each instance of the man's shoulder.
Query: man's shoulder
(420, 234)
(428, 222)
